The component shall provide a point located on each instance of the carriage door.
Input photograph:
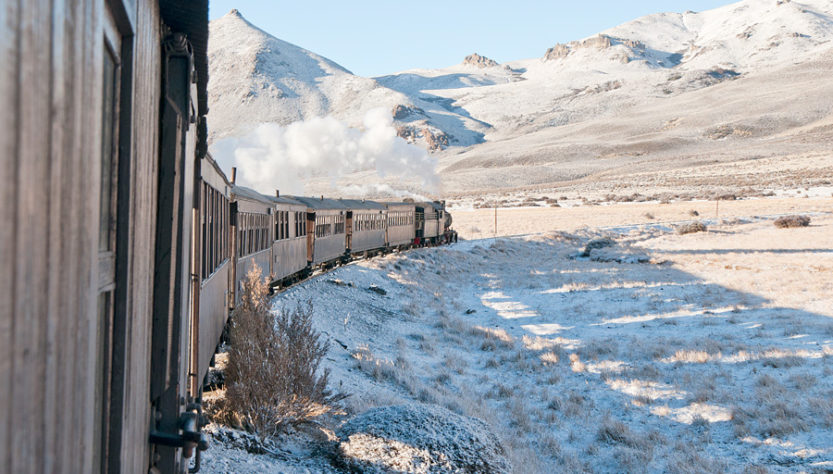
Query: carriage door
(171, 410)
(310, 236)
(419, 223)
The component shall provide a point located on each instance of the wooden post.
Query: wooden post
(495, 221)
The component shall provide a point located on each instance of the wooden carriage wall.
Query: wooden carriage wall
(85, 171)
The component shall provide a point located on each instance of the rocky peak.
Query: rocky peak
(600, 42)
(558, 51)
(479, 61)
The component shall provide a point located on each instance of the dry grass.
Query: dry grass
(691, 228)
(614, 431)
(687, 459)
(786, 222)
(272, 377)
(378, 369)
(493, 338)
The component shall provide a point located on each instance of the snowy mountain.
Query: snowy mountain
(257, 78)
(657, 88)
(655, 56)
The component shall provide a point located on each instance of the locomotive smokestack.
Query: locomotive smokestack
(234, 175)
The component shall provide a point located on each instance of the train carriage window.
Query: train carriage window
(214, 228)
(203, 264)
(107, 339)
(249, 235)
(261, 235)
(209, 229)
(240, 234)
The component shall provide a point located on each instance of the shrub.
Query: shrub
(691, 228)
(792, 221)
(615, 432)
(272, 375)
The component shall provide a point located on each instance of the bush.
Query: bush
(271, 378)
(691, 228)
(792, 221)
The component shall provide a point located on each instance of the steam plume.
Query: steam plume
(276, 157)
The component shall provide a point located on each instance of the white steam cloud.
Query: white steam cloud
(275, 157)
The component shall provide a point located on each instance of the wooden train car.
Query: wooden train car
(400, 227)
(367, 221)
(289, 249)
(252, 224)
(102, 131)
(211, 295)
(326, 230)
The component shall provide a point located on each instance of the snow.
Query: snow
(714, 356)
(420, 439)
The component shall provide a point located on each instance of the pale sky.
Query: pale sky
(378, 37)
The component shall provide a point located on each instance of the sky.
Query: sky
(377, 37)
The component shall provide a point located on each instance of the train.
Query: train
(123, 243)
(288, 238)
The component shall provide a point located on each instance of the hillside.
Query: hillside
(663, 92)
(257, 78)
(661, 352)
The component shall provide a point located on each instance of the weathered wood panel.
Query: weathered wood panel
(146, 97)
(30, 266)
(9, 56)
(50, 151)
(50, 167)
(213, 314)
(56, 351)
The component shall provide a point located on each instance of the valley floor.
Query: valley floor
(705, 352)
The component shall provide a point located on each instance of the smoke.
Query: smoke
(380, 191)
(276, 157)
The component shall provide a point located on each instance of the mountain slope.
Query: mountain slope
(655, 56)
(257, 78)
(662, 90)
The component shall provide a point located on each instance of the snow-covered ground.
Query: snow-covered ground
(714, 354)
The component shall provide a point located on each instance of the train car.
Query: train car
(211, 294)
(289, 249)
(252, 223)
(426, 225)
(326, 230)
(101, 133)
(366, 226)
(400, 231)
